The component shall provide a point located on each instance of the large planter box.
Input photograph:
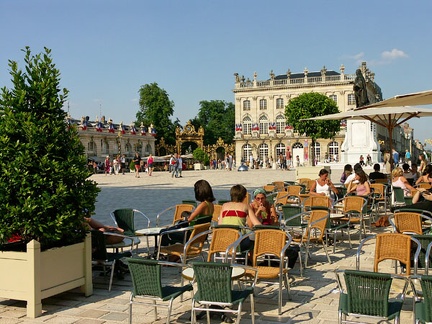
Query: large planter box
(198, 166)
(34, 275)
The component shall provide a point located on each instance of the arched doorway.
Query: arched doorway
(298, 151)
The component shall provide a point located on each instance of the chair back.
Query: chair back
(304, 182)
(179, 209)
(99, 252)
(213, 281)
(190, 202)
(425, 185)
(323, 201)
(268, 241)
(393, 246)
(125, 219)
(398, 196)
(281, 198)
(424, 240)
(269, 188)
(408, 222)
(197, 240)
(378, 190)
(294, 190)
(221, 238)
(279, 185)
(146, 277)
(367, 292)
(216, 212)
(426, 286)
(318, 220)
(353, 204)
(289, 211)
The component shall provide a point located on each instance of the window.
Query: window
(317, 152)
(246, 105)
(247, 125)
(279, 103)
(280, 149)
(91, 146)
(333, 149)
(280, 124)
(333, 97)
(263, 152)
(263, 125)
(263, 104)
(351, 99)
(246, 152)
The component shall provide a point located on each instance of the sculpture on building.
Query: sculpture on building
(360, 90)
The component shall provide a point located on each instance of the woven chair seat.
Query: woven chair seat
(266, 272)
(177, 249)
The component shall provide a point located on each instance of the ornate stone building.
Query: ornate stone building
(260, 122)
(102, 138)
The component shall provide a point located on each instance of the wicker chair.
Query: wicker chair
(193, 248)
(392, 246)
(281, 198)
(353, 208)
(380, 195)
(221, 238)
(146, 278)
(425, 185)
(216, 212)
(214, 290)
(364, 293)
(279, 185)
(269, 188)
(178, 210)
(406, 223)
(315, 232)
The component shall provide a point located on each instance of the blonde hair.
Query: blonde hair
(397, 172)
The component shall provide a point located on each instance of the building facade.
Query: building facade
(261, 130)
(102, 138)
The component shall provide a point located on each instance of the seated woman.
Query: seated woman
(346, 172)
(422, 199)
(398, 180)
(264, 211)
(426, 175)
(323, 185)
(110, 239)
(202, 213)
(361, 188)
(238, 213)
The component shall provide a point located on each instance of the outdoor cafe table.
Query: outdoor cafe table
(237, 273)
(151, 231)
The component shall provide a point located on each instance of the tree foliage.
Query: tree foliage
(44, 185)
(217, 117)
(309, 105)
(156, 108)
(201, 156)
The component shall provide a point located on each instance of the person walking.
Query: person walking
(150, 161)
(137, 162)
(123, 164)
(179, 166)
(174, 166)
(107, 165)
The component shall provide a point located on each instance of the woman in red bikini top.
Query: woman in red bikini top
(237, 212)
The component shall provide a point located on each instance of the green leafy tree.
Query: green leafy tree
(200, 156)
(217, 117)
(44, 185)
(156, 108)
(309, 105)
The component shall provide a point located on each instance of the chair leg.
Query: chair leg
(155, 309)
(325, 249)
(252, 298)
(239, 309)
(208, 314)
(169, 310)
(193, 312)
(111, 275)
(130, 309)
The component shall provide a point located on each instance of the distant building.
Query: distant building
(101, 138)
(260, 122)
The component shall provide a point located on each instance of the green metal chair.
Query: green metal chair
(100, 256)
(214, 290)
(365, 293)
(146, 278)
(398, 199)
(423, 300)
(125, 219)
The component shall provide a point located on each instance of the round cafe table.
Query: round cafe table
(151, 231)
(237, 273)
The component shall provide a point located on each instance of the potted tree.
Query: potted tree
(200, 156)
(44, 188)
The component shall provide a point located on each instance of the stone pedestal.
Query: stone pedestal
(360, 139)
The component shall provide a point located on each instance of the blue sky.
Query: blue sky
(107, 49)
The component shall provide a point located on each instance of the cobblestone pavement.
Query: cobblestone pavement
(314, 297)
